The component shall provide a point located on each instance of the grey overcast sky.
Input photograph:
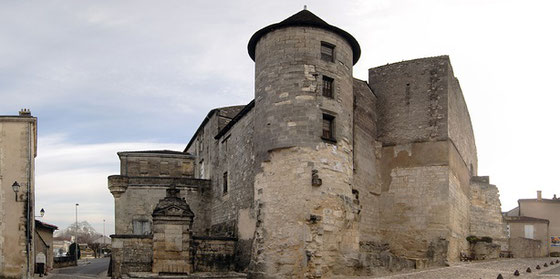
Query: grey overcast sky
(107, 76)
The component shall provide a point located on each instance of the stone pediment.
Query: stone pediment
(173, 205)
(175, 208)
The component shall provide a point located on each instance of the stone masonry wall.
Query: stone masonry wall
(235, 156)
(306, 230)
(412, 100)
(421, 101)
(17, 163)
(205, 148)
(214, 254)
(415, 210)
(367, 153)
(232, 212)
(137, 203)
(486, 215)
(231, 153)
(153, 164)
(527, 248)
(171, 248)
(459, 217)
(288, 83)
(460, 126)
(131, 254)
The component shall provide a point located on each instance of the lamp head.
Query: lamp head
(42, 212)
(15, 187)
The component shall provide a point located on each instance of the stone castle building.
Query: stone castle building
(321, 174)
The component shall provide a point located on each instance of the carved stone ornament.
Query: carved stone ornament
(173, 205)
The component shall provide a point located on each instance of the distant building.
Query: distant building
(18, 149)
(528, 236)
(60, 247)
(43, 239)
(532, 214)
(321, 174)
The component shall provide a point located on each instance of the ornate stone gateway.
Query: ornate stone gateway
(172, 219)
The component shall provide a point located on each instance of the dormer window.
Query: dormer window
(327, 52)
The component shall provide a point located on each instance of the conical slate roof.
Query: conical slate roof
(304, 18)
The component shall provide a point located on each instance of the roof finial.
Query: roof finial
(305, 7)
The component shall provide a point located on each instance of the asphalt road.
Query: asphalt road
(89, 269)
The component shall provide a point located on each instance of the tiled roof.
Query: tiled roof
(45, 225)
(525, 219)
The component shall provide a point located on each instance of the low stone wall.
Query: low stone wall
(486, 251)
(526, 248)
(213, 254)
(131, 253)
(63, 262)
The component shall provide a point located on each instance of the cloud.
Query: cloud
(92, 68)
(68, 173)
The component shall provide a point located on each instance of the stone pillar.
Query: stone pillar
(172, 219)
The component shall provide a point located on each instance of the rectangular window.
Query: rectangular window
(529, 231)
(328, 127)
(141, 227)
(225, 183)
(327, 52)
(328, 90)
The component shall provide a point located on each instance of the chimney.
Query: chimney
(24, 112)
(539, 195)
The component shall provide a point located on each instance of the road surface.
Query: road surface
(88, 269)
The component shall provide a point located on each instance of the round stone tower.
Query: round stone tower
(303, 148)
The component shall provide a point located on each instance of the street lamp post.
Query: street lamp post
(103, 234)
(76, 238)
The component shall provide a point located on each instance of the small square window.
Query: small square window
(225, 183)
(327, 52)
(328, 90)
(328, 127)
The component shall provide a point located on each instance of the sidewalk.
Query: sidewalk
(489, 269)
